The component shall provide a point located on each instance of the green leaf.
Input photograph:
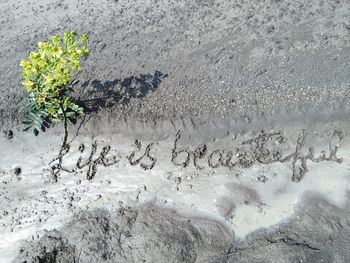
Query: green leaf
(72, 83)
(27, 122)
(37, 123)
(55, 120)
(70, 114)
(46, 124)
(44, 113)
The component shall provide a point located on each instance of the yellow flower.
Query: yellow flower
(27, 83)
(23, 63)
(41, 64)
(49, 79)
(49, 70)
(56, 40)
(33, 55)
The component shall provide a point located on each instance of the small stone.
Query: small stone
(8, 134)
(262, 178)
(17, 171)
(270, 29)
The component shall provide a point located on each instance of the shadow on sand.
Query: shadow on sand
(104, 95)
(119, 91)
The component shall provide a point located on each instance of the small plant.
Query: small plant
(47, 77)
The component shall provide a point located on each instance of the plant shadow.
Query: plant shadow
(119, 91)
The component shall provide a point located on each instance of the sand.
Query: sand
(215, 131)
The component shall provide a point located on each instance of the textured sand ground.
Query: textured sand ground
(259, 91)
(242, 182)
(223, 58)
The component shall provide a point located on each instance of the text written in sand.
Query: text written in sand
(265, 148)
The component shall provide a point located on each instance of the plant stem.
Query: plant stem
(64, 143)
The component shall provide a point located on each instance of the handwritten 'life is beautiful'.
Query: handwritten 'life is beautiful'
(261, 149)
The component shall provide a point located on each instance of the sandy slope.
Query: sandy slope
(259, 91)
